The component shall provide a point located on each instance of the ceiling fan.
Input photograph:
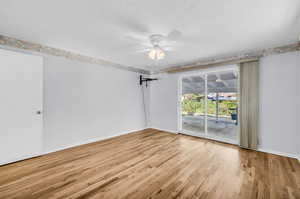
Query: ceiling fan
(156, 45)
(159, 48)
(145, 39)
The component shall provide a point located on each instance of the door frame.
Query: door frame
(204, 72)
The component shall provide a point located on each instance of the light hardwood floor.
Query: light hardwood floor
(153, 164)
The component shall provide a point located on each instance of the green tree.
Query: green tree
(192, 103)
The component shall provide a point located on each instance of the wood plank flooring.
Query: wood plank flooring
(153, 164)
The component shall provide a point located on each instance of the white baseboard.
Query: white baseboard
(259, 149)
(167, 130)
(70, 146)
(278, 153)
(93, 140)
(20, 158)
(127, 132)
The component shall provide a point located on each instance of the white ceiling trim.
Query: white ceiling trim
(233, 59)
(35, 48)
(41, 49)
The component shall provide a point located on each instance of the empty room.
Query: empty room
(156, 99)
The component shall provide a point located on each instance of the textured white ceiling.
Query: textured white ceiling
(104, 29)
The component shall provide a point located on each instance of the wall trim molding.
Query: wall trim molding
(236, 58)
(92, 140)
(45, 152)
(290, 155)
(128, 132)
(161, 129)
(260, 149)
(11, 43)
(39, 49)
(33, 155)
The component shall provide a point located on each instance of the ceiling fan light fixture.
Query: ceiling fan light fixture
(156, 53)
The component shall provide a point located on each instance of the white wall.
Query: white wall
(85, 102)
(163, 102)
(279, 103)
(279, 91)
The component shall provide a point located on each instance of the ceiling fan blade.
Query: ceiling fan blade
(174, 35)
(143, 50)
(132, 26)
(133, 38)
(141, 41)
(139, 52)
(168, 48)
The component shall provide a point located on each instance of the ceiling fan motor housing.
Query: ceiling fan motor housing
(155, 39)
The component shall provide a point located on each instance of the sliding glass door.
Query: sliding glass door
(193, 104)
(209, 105)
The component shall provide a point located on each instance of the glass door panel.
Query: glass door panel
(222, 105)
(193, 104)
(209, 105)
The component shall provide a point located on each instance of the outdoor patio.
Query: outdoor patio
(223, 127)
